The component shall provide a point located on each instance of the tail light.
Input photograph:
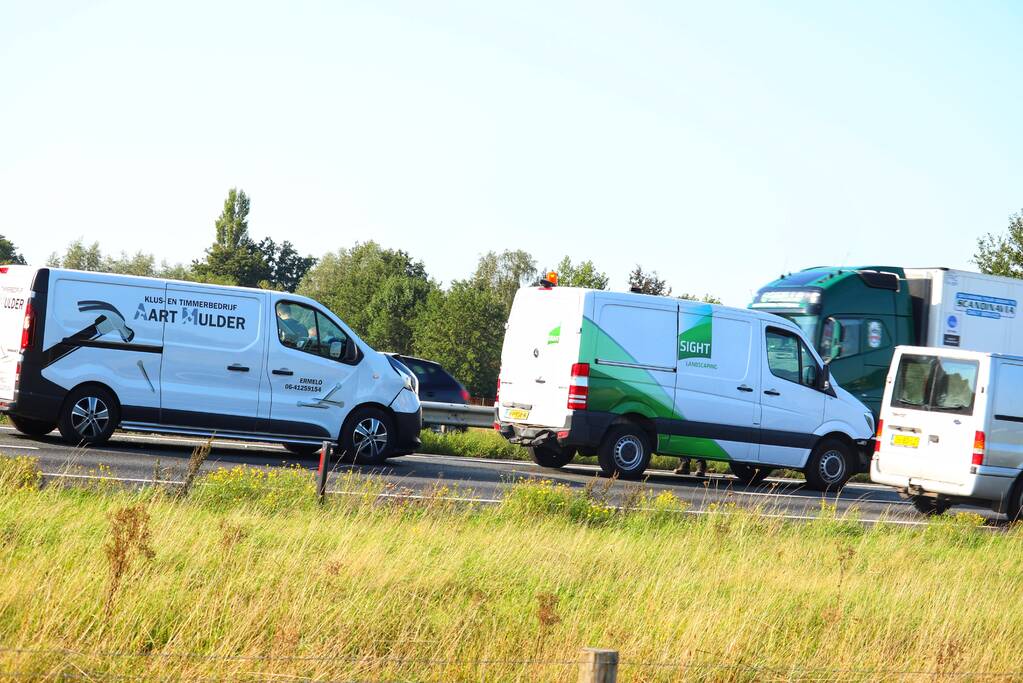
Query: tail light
(465, 395)
(877, 437)
(979, 445)
(28, 327)
(579, 386)
(497, 393)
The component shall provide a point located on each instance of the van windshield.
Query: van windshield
(940, 384)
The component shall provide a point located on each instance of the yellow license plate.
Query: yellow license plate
(518, 414)
(906, 441)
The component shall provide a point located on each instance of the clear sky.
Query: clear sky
(718, 143)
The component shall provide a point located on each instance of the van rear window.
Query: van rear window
(947, 385)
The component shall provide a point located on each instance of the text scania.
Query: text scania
(189, 316)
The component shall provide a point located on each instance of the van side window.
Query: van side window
(296, 327)
(306, 329)
(332, 338)
(789, 359)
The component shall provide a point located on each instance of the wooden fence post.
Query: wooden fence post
(598, 666)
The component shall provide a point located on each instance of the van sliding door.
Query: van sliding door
(212, 358)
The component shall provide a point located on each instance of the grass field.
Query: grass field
(247, 578)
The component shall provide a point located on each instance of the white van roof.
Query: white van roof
(634, 298)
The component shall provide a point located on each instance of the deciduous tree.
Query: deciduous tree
(1002, 254)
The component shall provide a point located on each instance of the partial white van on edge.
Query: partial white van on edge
(951, 429)
(89, 352)
(622, 376)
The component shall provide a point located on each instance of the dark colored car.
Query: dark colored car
(435, 383)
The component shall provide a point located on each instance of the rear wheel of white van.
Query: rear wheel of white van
(368, 436)
(89, 415)
(31, 427)
(625, 452)
(928, 505)
(829, 465)
(1014, 509)
(552, 456)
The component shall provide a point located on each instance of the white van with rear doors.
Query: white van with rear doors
(951, 429)
(89, 352)
(624, 375)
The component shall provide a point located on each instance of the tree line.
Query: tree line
(386, 295)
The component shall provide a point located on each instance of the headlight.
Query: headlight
(411, 381)
(405, 402)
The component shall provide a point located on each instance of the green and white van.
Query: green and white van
(622, 375)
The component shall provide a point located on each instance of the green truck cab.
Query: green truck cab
(854, 316)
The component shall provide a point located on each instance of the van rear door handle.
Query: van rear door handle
(934, 438)
(235, 367)
(744, 388)
(283, 371)
(772, 392)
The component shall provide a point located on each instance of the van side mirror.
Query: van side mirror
(351, 353)
(824, 377)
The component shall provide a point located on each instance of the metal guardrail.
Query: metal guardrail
(457, 415)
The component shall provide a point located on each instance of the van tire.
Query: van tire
(554, 457)
(625, 452)
(748, 474)
(829, 466)
(1014, 506)
(368, 436)
(302, 450)
(89, 416)
(927, 505)
(30, 427)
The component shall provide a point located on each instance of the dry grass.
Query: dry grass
(250, 578)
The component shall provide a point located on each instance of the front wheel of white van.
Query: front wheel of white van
(89, 415)
(368, 436)
(625, 452)
(828, 466)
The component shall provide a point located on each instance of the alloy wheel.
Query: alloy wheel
(89, 416)
(369, 438)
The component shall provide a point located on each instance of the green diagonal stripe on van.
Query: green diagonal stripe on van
(622, 390)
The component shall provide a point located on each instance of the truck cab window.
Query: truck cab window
(790, 359)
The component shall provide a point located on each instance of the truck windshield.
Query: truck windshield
(807, 323)
(939, 384)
